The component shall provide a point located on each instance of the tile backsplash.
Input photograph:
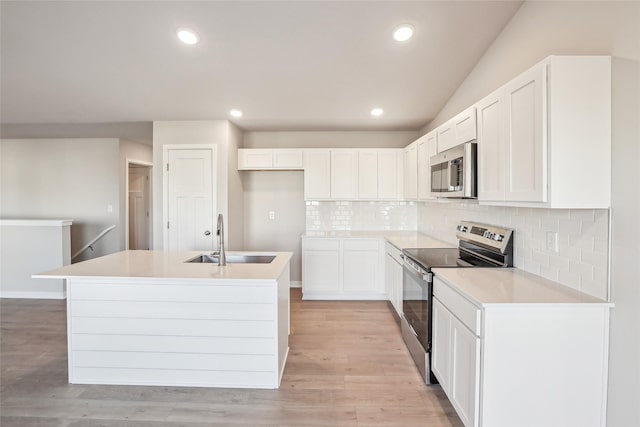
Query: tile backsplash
(583, 238)
(582, 260)
(350, 215)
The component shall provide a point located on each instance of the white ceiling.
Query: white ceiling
(288, 65)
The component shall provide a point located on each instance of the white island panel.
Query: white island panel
(172, 332)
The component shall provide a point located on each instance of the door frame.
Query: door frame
(165, 181)
(149, 166)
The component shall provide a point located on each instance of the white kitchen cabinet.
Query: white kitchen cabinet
(411, 171)
(494, 360)
(267, 159)
(342, 269)
(390, 170)
(492, 148)
(321, 265)
(344, 174)
(317, 174)
(544, 138)
(361, 271)
(464, 374)
(368, 174)
(427, 147)
(457, 130)
(393, 277)
(441, 355)
(379, 174)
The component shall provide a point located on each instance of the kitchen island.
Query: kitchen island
(152, 318)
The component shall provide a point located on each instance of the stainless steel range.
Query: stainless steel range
(480, 245)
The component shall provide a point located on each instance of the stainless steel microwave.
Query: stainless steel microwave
(453, 172)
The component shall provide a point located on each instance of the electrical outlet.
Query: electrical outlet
(272, 215)
(552, 241)
(109, 208)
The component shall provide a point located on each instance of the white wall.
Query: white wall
(282, 193)
(64, 178)
(235, 218)
(187, 132)
(540, 29)
(330, 139)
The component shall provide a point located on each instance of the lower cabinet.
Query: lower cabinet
(456, 362)
(342, 268)
(504, 364)
(393, 276)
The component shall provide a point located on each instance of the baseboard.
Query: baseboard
(33, 295)
(295, 283)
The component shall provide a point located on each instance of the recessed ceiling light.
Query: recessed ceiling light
(377, 112)
(187, 36)
(236, 113)
(403, 32)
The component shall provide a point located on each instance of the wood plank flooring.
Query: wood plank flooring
(347, 366)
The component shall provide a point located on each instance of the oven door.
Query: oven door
(416, 301)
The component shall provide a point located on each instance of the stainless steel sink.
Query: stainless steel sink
(234, 259)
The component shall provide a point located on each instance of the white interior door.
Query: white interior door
(191, 203)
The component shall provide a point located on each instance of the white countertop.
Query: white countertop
(160, 264)
(399, 239)
(486, 286)
(36, 222)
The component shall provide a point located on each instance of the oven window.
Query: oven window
(415, 305)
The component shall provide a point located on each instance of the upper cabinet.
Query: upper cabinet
(427, 147)
(266, 159)
(317, 174)
(458, 130)
(352, 174)
(411, 171)
(344, 174)
(544, 138)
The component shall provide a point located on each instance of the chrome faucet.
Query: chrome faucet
(222, 257)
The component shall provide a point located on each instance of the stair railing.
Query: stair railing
(91, 243)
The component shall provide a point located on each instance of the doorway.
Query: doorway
(190, 196)
(138, 206)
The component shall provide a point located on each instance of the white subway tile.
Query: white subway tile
(548, 272)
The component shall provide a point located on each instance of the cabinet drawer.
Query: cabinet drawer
(320, 244)
(459, 306)
(361, 244)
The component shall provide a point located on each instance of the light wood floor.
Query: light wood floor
(347, 366)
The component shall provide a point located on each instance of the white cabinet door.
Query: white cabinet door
(464, 125)
(526, 138)
(446, 136)
(464, 388)
(255, 159)
(393, 275)
(317, 174)
(427, 147)
(368, 174)
(287, 159)
(411, 171)
(344, 165)
(388, 173)
(457, 130)
(441, 351)
(361, 261)
(491, 147)
(321, 265)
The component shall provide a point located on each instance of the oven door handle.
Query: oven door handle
(408, 264)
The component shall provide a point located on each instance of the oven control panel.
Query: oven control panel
(485, 234)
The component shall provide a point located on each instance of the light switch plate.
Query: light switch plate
(272, 215)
